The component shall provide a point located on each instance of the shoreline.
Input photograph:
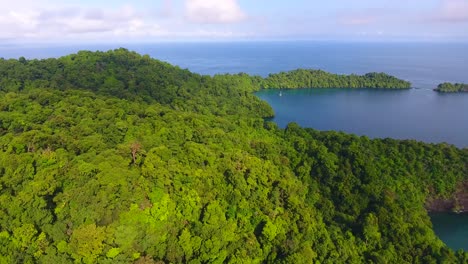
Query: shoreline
(457, 203)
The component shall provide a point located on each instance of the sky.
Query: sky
(227, 20)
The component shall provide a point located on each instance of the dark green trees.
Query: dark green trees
(452, 88)
(319, 79)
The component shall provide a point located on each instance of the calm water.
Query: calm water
(419, 114)
(452, 229)
(415, 114)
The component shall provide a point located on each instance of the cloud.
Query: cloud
(452, 11)
(213, 11)
(27, 20)
(72, 22)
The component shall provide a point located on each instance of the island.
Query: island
(303, 78)
(116, 157)
(452, 88)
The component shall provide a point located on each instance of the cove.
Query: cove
(452, 229)
(418, 114)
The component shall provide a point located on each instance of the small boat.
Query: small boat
(280, 94)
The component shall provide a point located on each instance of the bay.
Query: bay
(417, 114)
(452, 229)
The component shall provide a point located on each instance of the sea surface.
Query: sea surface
(419, 113)
(424, 64)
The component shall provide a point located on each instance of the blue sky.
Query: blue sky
(169, 20)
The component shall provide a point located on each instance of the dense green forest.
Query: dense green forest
(452, 88)
(319, 79)
(113, 157)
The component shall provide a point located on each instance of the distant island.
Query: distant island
(303, 78)
(452, 88)
(310, 78)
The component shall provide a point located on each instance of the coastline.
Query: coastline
(457, 203)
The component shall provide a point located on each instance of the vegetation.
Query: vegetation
(129, 75)
(189, 171)
(319, 79)
(452, 88)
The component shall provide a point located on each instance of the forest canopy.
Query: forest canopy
(302, 78)
(452, 88)
(114, 157)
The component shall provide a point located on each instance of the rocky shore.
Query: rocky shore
(458, 203)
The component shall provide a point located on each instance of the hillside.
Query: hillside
(113, 157)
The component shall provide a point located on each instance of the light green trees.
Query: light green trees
(130, 160)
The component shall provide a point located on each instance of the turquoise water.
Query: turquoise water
(452, 229)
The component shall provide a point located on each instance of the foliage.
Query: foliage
(319, 79)
(114, 176)
(124, 74)
(452, 88)
(128, 75)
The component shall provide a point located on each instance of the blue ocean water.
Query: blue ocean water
(424, 64)
(419, 114)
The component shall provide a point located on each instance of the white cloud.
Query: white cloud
(54, 21)
(75, 22)
(453, 11)
(213, 11)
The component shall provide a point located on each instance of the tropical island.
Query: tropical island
(452, 88)
(115, 157)
(303, 78)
